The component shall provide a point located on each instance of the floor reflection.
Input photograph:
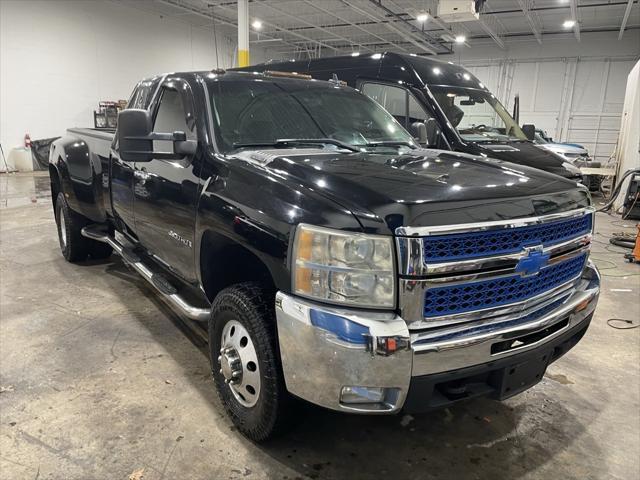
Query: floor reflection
(20, 189)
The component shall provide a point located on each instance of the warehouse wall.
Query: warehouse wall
(58, 59)
(574, 91)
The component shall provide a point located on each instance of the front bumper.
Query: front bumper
(324, 349)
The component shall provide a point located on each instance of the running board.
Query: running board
(159, 283)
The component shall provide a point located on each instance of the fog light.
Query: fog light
(362, 395)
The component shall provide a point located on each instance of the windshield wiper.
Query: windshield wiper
(285, 142)
(390, 143)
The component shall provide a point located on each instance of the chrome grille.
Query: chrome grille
(462, 246)
(459, 273)
(500, 291)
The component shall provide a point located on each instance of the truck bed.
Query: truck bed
(98, 139)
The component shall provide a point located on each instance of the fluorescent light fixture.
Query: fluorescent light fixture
(461, 38)
(569, 23)
(257, 24)
(422, 17)
(355, 54)
(376, 56)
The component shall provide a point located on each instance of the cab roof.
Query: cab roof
(408, 68)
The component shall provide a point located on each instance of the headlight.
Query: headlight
(347, 268)
(572, 168)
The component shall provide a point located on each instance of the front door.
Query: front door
(166, 191)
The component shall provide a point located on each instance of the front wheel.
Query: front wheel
(245, 363)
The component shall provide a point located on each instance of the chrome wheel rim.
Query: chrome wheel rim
(63, 229)
(239, 363)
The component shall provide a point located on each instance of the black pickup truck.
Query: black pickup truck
(331, 258)
(442, 104)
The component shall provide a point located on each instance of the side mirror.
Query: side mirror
(433, 132)
(183, 147)
(529, 129)
(135, 139)
(419, 131)
(133, 133)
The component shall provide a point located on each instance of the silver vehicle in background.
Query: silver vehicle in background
(570, 152)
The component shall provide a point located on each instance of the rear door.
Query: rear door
(166, 191)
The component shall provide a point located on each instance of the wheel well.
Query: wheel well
(224, 262)
(55, 184)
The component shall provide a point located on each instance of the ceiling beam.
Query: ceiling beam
(627, 12)
(206, 13)
(525, 5)
(364, 30)
(388, 25)
(574, 16)
(285, 31)
(431, 45)
(492, 33)
(299, 18)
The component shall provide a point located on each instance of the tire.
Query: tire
(247, 310)
(75, 247)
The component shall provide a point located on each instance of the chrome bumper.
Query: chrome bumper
(324, 349)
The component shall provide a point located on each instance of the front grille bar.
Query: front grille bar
(411, 255)
(418, 277)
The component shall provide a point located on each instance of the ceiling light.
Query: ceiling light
(257, 24)
(376, 56)
(461, 39)
(569, 23)
(422, 17)
(355, 54)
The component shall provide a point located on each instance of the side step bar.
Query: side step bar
(166, 290)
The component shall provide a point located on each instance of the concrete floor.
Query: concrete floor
(98, 379)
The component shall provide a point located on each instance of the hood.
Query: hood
(564, 148)
(575, 145)
(423, 187)
(531, 155)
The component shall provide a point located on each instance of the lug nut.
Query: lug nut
(219, 358)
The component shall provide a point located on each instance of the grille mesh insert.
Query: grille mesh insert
(462, 246)
(499, 291)
(539, 313)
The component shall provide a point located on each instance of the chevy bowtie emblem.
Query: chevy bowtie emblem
(533, 261)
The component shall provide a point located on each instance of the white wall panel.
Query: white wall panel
(550, 79)
(616, 85)
(574, 100)
(574, 91)
(58, 59)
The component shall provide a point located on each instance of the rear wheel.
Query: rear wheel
(245, 362)
(75, 247)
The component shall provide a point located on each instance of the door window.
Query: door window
(143, 94)
(171, 117)
(398, 101)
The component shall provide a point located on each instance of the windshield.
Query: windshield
(477, 115)
(261, 112)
